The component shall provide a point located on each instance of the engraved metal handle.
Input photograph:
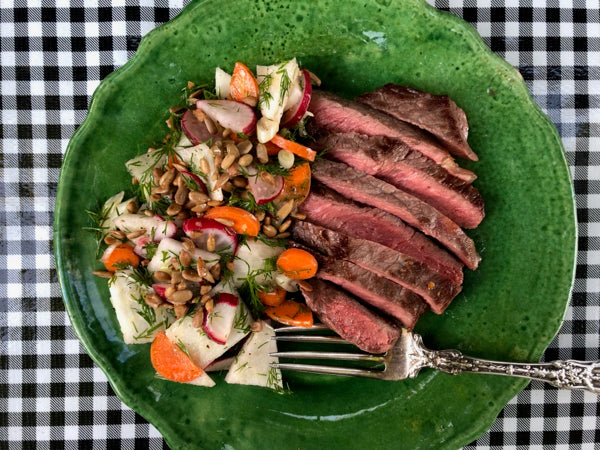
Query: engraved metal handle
(568, 374)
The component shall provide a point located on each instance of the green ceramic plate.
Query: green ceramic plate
(510, 308)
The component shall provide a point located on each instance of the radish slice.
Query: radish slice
(140, 245)
(219, 322)
(237, 116)
(225, 237)
(192, 179)
(222, 82)
(160, 289)
(263, 191)
(297, 111)
(220, 364)
(167, 248)
(196, 129)
(155, 226)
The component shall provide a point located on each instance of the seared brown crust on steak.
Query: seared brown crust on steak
(434, 113)
(437, 290)
(329, 209)
(335, 113)
(348, 318)
(364, 188)
(393, 161)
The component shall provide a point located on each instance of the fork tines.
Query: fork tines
(286, 334)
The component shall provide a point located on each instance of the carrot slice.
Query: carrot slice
(297, 264)
(272, 298)
(171, 362)
(292, 313)
(272, 149)
(121, 254)
(243, 86)
(296, 185)
(297, 149)
(244, 222)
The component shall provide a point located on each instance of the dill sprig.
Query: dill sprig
(97, 218)
(251, 287)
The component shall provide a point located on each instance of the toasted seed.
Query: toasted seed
(201, 267)
(210, 243)
(269, 230)
(103, 273)
(185, 258)
(227, 161)
(134, 181)
(261, 153)
(174, 263)
(153, 300)
(214, 203)
(191, 275)
(195, 234)
(198, 197)
(200, 208)
(285, 225)
(244, 147)
(155, 197)
(267, 220)
(315, 79)
(285, 210)
(151, 149)
(285, 235)
(180, 297)
(305, 286)
(223, 178)
(167, 177)
(132, 207)
(232, 149)
(204, 166)
(245, 160)
(176, 277)
(190, 84)
(257, 326)
(228, 187)
(118, 234)
(216, 148)
(136, 233)
(209, 305)
(182, 215)
(162, 276)
(181, 167)
(160, 190)
(210, 125)
(205, 298)
(174, 209)
(198, 318)
(298, 215)
(176, 109)
(205, 289)
(215, 271)
(234, 170)
(260, 215)
(188, 244)
(182, 285)
(109, 240)
(226, 222)
(157, 174)
(170, 291)
(267, 177)
(230, 266)
(181, 311)
(226, 132)
(145, 262)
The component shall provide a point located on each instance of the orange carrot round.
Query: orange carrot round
(171, 362)
(243, 86)
(272, 298)
(296, 185)
(243, 221)
(291, 313)
(121, 254)
(297, 149)
(297, 264)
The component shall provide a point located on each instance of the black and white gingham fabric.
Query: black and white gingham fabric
(53, 54)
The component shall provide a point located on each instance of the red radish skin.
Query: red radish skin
(196, 180)
(263, 191)
(237, 116)
(219, 322)
(220, 364)
(196, 129)
(295, 114)
(225, 237)
(160, 289)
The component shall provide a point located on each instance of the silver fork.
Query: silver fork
(409, 356)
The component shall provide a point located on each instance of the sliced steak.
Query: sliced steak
(435, 113)
(335, 113)
(364, 188)
(437, 290)
(351, 320)
(393, 161)
(327, 208)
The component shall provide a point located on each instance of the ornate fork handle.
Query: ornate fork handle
(567, 374)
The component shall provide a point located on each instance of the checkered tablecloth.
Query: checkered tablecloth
(53, 55)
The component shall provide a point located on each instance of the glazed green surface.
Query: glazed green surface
(510, 309)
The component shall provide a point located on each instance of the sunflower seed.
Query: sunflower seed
(180, 297)
(162, 276)
(305, 286)
(210, 125)
(298, 215)
(198, 318)
(226, 222)
(228, 161)
(285, 225)
(185, 258)
(191, 275)
(215, 271)
(210, 243)
(267, 177)
(198, 197)
(153, 300)
(209, 305)
(109, 240)
(269, 230)
(136, 233)
(149, 212)
(173, 209)
(200, 208)
(176, 277)
(204, 166)
(285, 210)
(285, 235)
(157, 174)
(261, 153)
(245, 160)
(180, 311)
(167, 177)
(181, 195)
(256, 326)
(118, 234)
(244, 147)
(103, 273)
(188, 244)
(132, 207)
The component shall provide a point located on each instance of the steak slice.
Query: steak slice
(437, 290)
(329, 209)
(393, 161)
(348, 318)
(435, 113)
(381, 293)
(335, 113)
(364, 188)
